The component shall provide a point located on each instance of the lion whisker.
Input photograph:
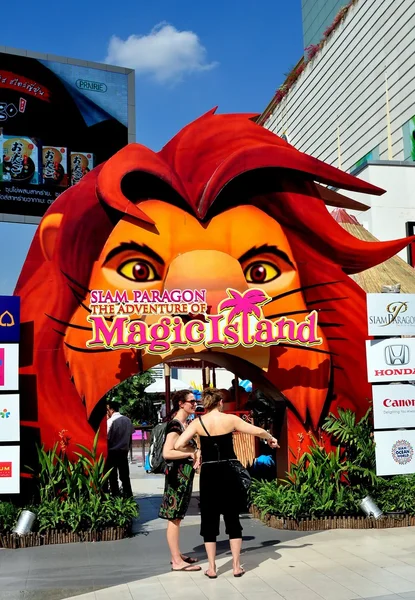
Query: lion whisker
(72, 325)
(63, 334)
(298, 312)
(72, 280)
(87, 350)
(308, 349)
(303, 288)
(327, 300)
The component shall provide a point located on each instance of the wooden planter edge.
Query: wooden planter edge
(324, 523)
(52, 536)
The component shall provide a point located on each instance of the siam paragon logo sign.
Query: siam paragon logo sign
(161, 321)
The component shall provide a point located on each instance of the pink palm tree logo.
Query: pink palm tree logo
(244, 304)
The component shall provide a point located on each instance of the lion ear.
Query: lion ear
(48, 231)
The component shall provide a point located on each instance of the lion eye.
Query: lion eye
(261, 272)
(138, 270)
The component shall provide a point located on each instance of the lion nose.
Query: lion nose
(208, 270)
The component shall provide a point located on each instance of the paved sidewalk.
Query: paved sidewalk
(61, 571)
(329, 565)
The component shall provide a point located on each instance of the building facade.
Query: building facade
(317, 16)
(336, 110)
(390, 213)
(353, 105)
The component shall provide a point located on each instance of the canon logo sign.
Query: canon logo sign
(397, 403)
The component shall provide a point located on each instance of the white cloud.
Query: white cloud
(165, 54)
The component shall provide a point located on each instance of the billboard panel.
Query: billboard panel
(9, 367)
(9, 470)
(392, 359)
(391, 314)
(9, 418)
(58, 119)
(395, 452)
(394, 406)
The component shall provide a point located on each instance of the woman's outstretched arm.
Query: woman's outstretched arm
(244, 427)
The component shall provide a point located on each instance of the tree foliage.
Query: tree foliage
(132, 399)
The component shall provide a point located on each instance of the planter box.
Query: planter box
(13, 541)
(321, 523)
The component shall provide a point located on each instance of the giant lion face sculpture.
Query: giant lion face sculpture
(225, 204)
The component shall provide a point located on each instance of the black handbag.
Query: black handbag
(244, 484)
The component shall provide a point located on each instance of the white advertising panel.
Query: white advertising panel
(395, 452)
(391, 314)
(390, 360)
(9, 367)
(9, 470)
(394, 406)
(9, 418)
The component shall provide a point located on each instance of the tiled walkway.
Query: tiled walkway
(329, 565)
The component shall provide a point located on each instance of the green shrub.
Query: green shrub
(72, 494)
(58, 477)
(334, 483)
(9, 513)
(85, 514)
(396, 494)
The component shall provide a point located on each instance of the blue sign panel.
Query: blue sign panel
(9, 319)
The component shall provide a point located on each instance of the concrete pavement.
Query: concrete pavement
(328, 565)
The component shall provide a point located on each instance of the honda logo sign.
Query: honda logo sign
(390, 360)
(398, 354)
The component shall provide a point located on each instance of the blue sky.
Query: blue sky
(190, 56)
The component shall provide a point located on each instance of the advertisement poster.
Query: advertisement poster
(9, 319)
(9, 418)
(395, 452)
(394, 406)
(39, 148)
(9, 470)
(408, 130)
(390, 360)
(9, 367)
(391, 314)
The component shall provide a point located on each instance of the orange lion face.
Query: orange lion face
(225, 204)
(240, 248)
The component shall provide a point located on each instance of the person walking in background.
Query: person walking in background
(119, 431)
(220, 490)
(181, 465)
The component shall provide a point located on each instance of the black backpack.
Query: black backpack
(155, 454)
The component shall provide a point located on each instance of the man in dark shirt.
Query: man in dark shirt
(120, 430)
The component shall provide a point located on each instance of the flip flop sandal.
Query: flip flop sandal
(242, 572)
(189, 560)
(188, 569)
(211, 576)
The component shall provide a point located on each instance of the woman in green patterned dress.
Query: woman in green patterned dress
(179, 478)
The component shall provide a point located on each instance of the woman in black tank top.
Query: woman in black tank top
(220, 490)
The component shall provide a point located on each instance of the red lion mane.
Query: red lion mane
(216, 162)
